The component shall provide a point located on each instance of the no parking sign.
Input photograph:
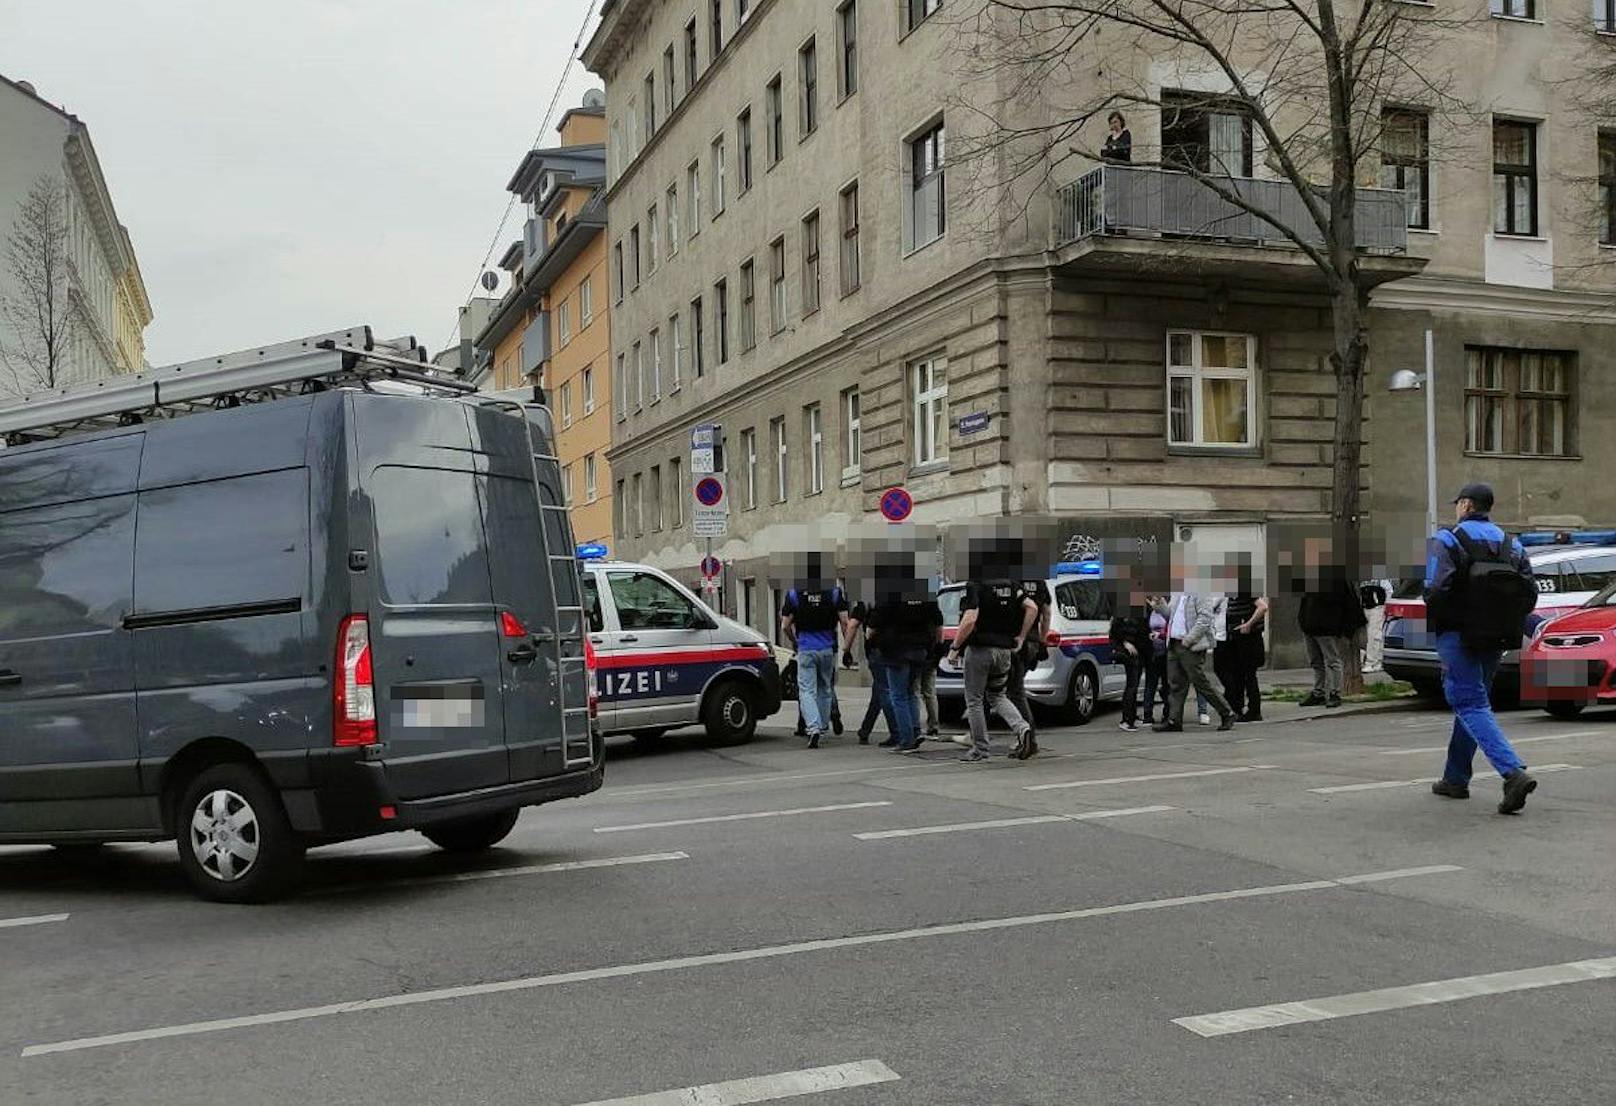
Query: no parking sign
(896, 504)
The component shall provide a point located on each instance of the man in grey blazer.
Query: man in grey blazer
(1191, 634)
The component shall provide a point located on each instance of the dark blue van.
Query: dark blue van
(270, 625)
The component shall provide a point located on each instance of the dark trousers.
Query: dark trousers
(1186, 669)
(1236, 663)
(878, 699)
(1131, 670)
(1016, 689)
(1155, 682)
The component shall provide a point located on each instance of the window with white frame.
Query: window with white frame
(639, 377)
(1514, 177)
(620, 389)
(656, 365)
(693, 198)
(589, 389)
(676, 490)
(568, 492)
(1405, 161)
(672, 209)
(926, 210)
(676, 353)
(566, 404)
(852, 434)
(653, 230)
(589, 477)
(719, 173)
(928, 387)
(810, 263)
(749, 452)
(777, 285)
(777, 435)
(815, 432)
(1605, 17)
(586, 302)
(1211, 389)
(564, 322)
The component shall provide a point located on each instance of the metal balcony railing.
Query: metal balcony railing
(1124, 199)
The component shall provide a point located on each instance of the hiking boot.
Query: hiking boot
(1332, 702)
(1313, 699)
(1022, 749)
(1517, 786)
(1450, 790)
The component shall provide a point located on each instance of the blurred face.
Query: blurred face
(1462, 508)
(1116, 124)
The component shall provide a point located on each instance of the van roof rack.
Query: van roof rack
(349, 358)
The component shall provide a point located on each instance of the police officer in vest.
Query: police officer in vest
(810, 616)
(996, 616)
(1478, 594)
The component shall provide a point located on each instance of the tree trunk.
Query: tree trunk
(1349, 308)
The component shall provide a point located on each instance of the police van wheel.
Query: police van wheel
(1564, 710)
(235, 841)
(1081, 697)
(731, 715)
(472, 835)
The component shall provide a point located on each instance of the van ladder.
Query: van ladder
(344, 358)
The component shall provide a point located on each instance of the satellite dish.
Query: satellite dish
(489, 281)
(594, 98)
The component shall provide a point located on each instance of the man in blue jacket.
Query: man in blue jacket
(1467, 671)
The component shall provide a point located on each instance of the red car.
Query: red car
(1570, 663)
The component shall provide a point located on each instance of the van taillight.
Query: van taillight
(510, 625)
(1052, 638)
(589, 674)
(354, 689)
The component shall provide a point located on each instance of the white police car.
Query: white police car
(664, 659)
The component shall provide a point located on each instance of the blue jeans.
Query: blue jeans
(1466, 677)
(816, 668)
(900, 702)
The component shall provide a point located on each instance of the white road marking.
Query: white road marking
(741, 817)
(682, 963)
(1512, 741)
(765, 1088)
(36, 920)
(1397, 998)
(1003, 823)
(1379, 785)
(502, 873)
(663, 789)
(1157, 776)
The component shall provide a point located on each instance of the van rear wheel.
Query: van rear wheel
(235, 842)
(473, 835)
(731, 713)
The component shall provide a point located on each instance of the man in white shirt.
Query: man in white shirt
(1190, 636)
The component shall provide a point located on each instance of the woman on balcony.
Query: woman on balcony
(1118, 148)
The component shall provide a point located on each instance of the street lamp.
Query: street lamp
(1407, 380)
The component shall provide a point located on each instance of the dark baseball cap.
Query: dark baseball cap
(1479, 494)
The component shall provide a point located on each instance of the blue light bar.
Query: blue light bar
(592, 551)
(1568, 537)
(1079, 568)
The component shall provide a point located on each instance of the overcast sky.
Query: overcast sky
(312, 165)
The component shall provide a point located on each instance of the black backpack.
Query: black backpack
(1495, 597)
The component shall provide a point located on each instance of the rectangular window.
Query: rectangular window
(568, 493)
(693, 197)
(620, 389)
(718, 176)
(692, 70)
(676, 353)
(639, 377)
(743, 8)
(655, 339)
(852, 434)
(773, 104)
(566, 404)
(777, 435)
(927, 215)
(721, 320)
(815, 431)
(1206, 134)
(1405, 161)
(1518, 402)
(1211, 385)
(810, 264)
(929, 421)
(917, 12)
(589, 389)
(777, 286)
(1605, 16)
(667, 81)
(1515, 9)
(748, 306)
(676, 491)
(656, 497)
(672, 208)
(698, 359)
(617, 269)
(1607, 178)
(743, 151)
(650, 107)
(749, 451)
(634, 255)
(589, 478)
(850, 238)
(586, 302)
(808, 73)
(847, 52)
(653, 233)
(564, 322)
(715, 37)
(620, 509)
(639, 504)
(1514, 177)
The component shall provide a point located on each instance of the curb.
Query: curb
(1409, 704)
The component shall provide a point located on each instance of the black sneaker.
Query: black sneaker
(1226, 724)
(1450, 790)
(889, 743)
(1166, 727)
(1517, 786)
(813, 741)
(864, 738)
(1332, 702)
(836, 724)
(1313, 699)
(1023, 747)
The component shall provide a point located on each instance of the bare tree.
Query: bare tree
(1307, 79)
(40, 317)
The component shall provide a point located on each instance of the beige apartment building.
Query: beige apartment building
(796, 255)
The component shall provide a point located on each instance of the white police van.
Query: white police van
(664, 659)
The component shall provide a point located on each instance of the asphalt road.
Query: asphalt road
(1129, 918)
